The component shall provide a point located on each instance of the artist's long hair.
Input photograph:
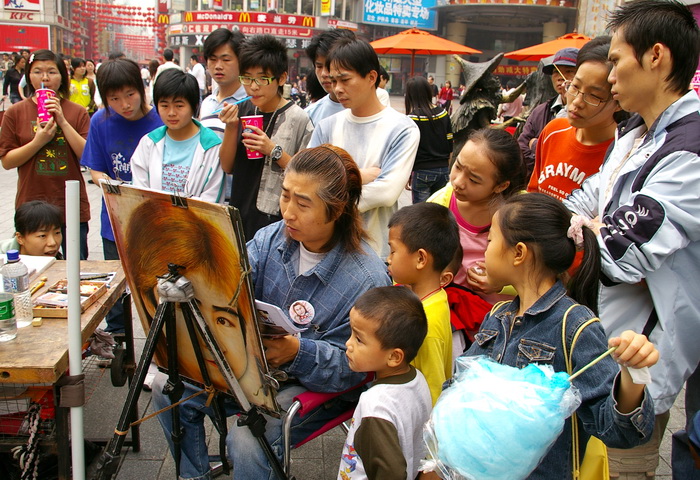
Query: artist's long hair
(339, 187)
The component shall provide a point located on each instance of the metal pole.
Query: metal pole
(74, 329)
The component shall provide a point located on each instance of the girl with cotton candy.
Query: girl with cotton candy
(533, 239)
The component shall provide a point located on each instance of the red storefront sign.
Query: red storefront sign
(13, 38)
(250, 17)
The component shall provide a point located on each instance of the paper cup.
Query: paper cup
(42, 95)
(256, 121)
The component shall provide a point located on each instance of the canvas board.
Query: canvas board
(152, 229)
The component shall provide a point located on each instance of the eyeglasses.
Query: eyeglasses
(51, 73)
(258, 80)
(589, 98)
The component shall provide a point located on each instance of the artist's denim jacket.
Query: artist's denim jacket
(536, 337)
(331, 287)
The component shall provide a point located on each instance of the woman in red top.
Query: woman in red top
(445, 97)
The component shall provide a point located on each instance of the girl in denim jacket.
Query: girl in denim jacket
(532, 241)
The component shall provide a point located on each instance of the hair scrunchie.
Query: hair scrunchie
(575, 231)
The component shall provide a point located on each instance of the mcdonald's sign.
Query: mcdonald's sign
(244, 17)
(189, 17)
(308, 22)
(163, 18)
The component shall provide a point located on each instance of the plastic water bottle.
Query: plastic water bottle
(15, 280)
(8, 325)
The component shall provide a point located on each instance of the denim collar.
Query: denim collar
(324, 270)
(544, 303)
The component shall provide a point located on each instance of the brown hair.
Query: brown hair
(340, 187)
(155, 239)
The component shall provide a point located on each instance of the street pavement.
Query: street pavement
(317, 460)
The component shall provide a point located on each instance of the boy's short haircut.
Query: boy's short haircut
(76, 61)
(383, 73)
(429, 226)
(37, 215)
(322, 43)
(222, 36)
(399, 315)
(173, 83)
(168, 55)
(115, 75)
(266, 52)
(194, 57)
(669, 22)
(354, 55)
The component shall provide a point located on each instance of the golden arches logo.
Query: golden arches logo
(244, 17)
(163, 18)
(308, 22)
(189, 16)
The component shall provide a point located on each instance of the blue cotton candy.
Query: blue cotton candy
(496, 421)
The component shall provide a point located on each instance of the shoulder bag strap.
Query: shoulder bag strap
(568, 353)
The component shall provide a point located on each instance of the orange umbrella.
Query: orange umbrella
(538, 52)
(418, 42)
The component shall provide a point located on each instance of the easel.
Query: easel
(173, 289)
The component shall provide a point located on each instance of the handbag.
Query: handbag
(595, 461)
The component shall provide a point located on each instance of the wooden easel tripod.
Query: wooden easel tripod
(173, 289)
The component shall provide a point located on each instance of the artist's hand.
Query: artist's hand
(634, 350)
(53, 106)
(257, 140)
(229, 115)
(477, 279)
(45, 133)
(280, 350)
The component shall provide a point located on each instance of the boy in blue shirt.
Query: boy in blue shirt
(181, 157)
(114, 133)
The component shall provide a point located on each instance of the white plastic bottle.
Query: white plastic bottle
(15, 280)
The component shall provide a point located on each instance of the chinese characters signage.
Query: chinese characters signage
(514, 70)
(13, 38)
(251, 17)
(401, 13)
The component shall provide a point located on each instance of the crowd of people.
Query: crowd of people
(609, 228)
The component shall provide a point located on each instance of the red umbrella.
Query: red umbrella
(419, 42)
(543, 50)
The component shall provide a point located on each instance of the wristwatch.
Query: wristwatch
(276, 153)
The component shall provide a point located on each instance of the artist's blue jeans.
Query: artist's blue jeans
(244, 451)
(426, 182)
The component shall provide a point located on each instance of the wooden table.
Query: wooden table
(40, 354)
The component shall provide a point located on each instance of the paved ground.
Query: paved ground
(318, 460)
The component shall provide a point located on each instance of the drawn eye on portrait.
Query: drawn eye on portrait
(150, 233)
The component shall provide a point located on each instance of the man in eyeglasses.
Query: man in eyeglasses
(286, 129)
(561, 69)
(644, 206)
(572, 148)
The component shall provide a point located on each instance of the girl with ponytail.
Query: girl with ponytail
(532, 241)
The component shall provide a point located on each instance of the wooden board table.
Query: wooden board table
(39, 355)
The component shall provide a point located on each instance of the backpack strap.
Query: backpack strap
(568, 354)
(498, 305)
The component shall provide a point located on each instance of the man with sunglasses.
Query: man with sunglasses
(286, 129)
(561, 70)
(572, 148)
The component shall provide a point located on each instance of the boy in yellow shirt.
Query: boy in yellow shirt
(422, 240)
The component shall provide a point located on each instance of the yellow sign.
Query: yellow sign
(188, 16)
(163, 18)
(325, 8)
(308, 22)
(244, 17)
